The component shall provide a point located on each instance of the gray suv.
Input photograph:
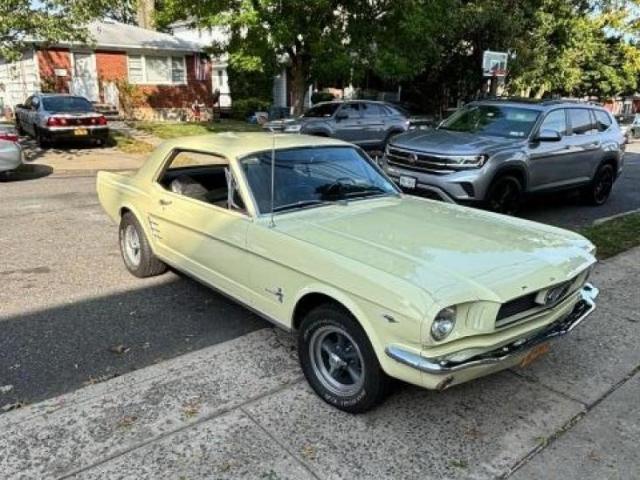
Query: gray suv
(494, 152)
(366, 123)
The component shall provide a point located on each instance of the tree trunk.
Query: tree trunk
(145, 14)
(298, 84)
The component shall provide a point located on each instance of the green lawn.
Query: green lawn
(615, 236)
(129, 145)
(184, 129)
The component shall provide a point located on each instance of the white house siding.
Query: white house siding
(280, 89)
(18, 80)
(206, 37)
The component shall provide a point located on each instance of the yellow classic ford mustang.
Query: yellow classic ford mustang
(309, 233)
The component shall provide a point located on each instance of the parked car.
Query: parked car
(366, 123)
(495, 152)
(8, 132)
(337, 254)
(10, 156)
(52, 117)
(630, 125)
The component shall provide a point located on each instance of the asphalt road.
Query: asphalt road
(70, 314)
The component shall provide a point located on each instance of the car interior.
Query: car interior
(203, 177)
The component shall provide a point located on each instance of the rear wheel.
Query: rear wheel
(338, 360)
(41, 139)
(505, 195)
(597, 193)
(135, 249)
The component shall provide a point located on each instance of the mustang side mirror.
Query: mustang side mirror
(341, 116)
(548, 135)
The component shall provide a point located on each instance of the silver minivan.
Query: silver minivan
(494, 152)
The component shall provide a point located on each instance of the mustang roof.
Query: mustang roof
(239, 144)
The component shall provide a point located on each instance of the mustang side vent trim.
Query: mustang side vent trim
(389, 318)
(278, 293)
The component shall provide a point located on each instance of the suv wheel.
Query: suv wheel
(338, 360)
(600, 188)
(504, 195)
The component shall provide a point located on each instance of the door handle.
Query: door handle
(164, 202)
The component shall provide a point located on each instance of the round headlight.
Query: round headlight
(443, 324)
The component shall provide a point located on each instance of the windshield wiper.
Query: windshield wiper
(299, 204)
(366, 192)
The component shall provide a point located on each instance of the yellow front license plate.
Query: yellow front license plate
(535, 353)
(80, 131)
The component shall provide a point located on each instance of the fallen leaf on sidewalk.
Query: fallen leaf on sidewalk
(309, 452)
(127, 421)
(119, 349)
(12, 406)
(191, 408)
(6, 388)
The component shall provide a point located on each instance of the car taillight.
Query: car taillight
(102, 120)
(9, 137)
(56, 121)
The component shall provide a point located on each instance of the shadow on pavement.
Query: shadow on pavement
(26, 172)
(49, 352)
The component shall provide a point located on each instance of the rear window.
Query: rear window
(603, 120)
(67, 104)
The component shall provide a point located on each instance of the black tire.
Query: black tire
(598, 191)
(19, 128)
(504, 195)
(147, 264)
(372, 386)
(41, 140)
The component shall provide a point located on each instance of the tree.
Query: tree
(319, 38)
(49, 20)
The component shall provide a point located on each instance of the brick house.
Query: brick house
(163, 74)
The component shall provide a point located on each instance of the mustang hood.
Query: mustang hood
(445, 249)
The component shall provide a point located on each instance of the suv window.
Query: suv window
(580, 120)
(556, 121)
(351, 109)
(603, 120)
(372, 110)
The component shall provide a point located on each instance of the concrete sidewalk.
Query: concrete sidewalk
(242, 410)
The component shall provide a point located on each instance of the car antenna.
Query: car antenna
(272, 222)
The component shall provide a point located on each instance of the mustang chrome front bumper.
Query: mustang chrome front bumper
(583, 308)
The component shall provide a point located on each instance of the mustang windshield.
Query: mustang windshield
(493, 120)
(306, 177)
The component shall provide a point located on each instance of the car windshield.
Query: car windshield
(67, 104)
(307, 177)
(493, 120)
(322, 110)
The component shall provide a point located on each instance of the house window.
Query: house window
(156, 69)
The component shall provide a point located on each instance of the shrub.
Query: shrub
(317, 97)
(243, 108)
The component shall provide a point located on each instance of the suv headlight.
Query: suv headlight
(469, 161)
(443, 324)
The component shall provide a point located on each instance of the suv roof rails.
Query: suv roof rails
(540, 101)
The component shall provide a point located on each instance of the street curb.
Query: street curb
(600, 221)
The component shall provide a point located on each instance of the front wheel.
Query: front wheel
(135, 249)
(505, 195)
(598, 191)
(338, 360)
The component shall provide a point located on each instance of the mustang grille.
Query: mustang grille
(529, 303)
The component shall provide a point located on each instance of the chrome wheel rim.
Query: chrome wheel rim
(131, 245)
(336, 361)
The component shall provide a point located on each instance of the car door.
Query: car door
(584, 142)
(207, 240)
(373, 125)
(548, 160)
(348, 123)
(30, 112)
